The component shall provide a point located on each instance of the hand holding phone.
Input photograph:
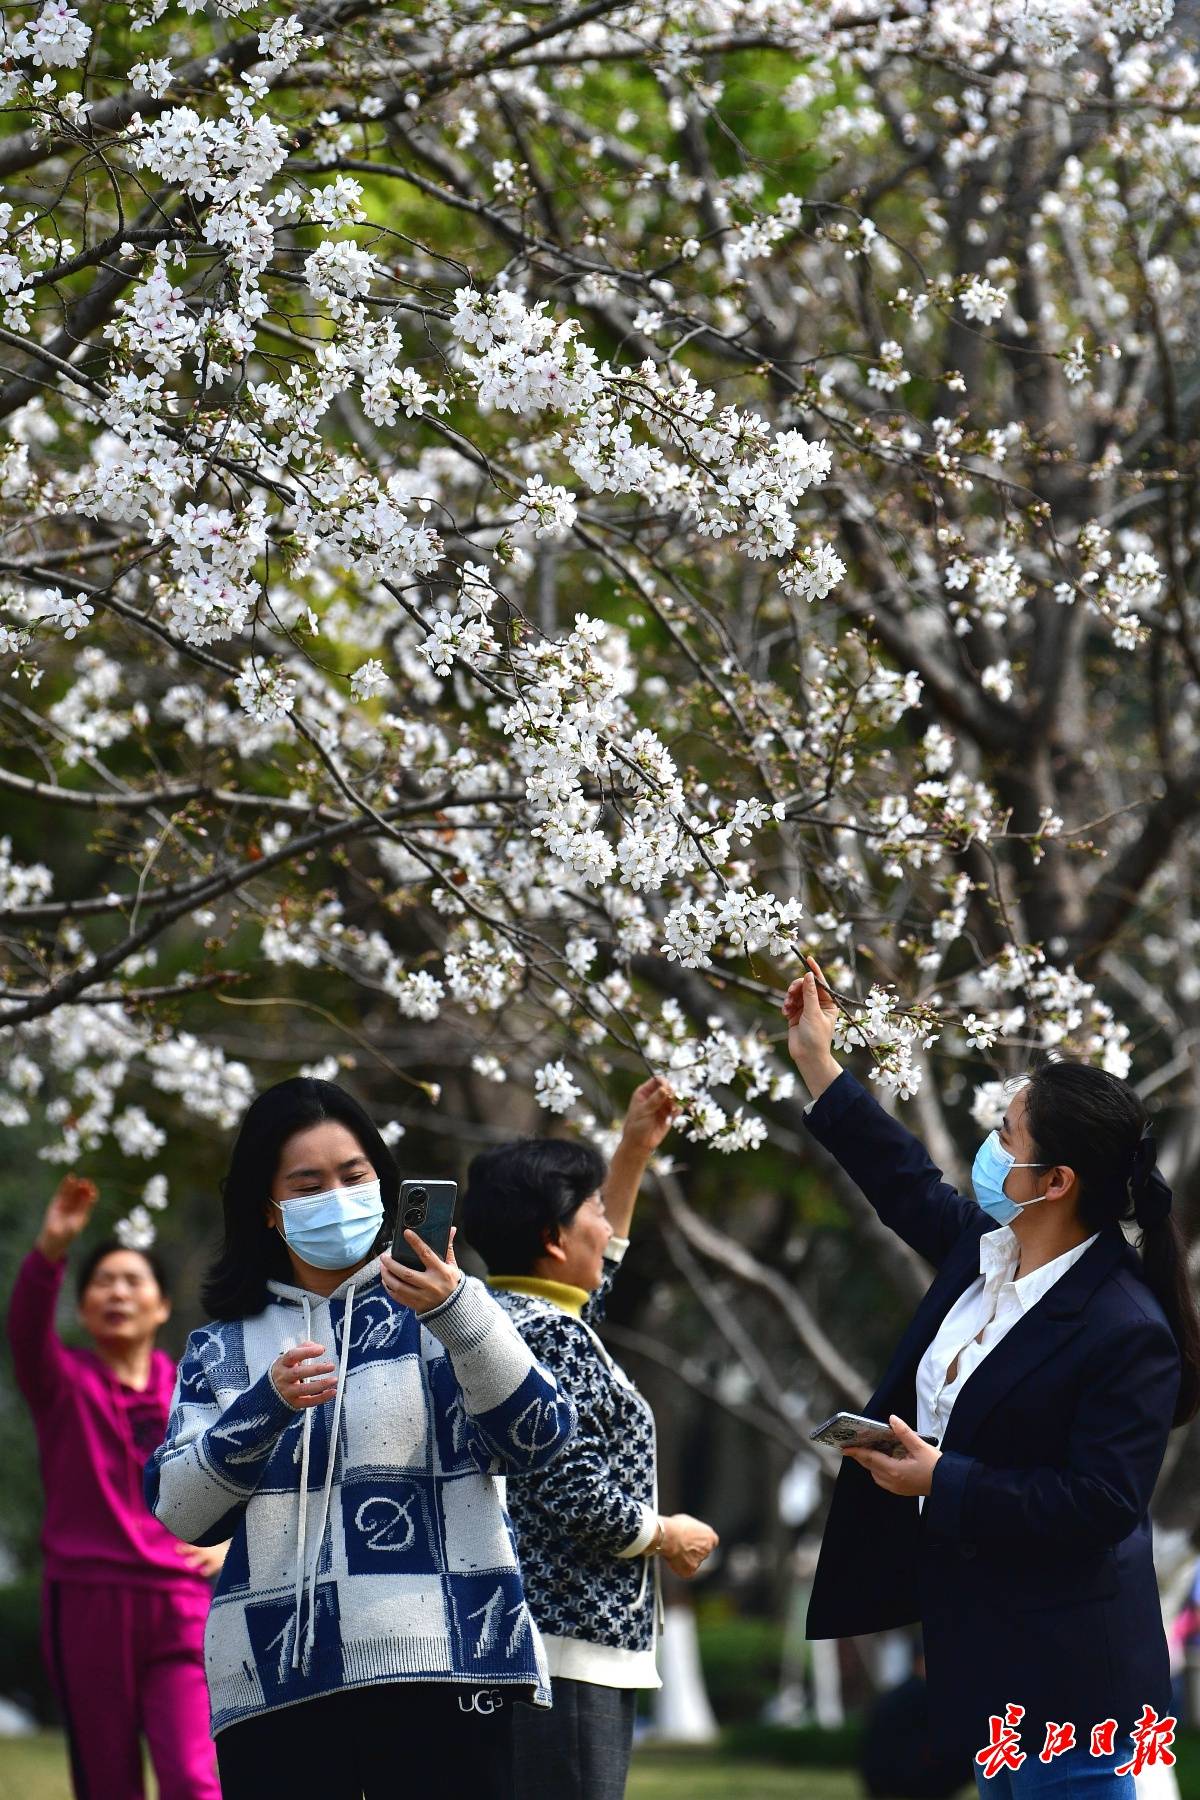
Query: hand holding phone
(851, 1431)
(422, 1273)
(426, 1207)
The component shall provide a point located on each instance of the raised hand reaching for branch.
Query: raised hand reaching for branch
(811, 1012)
(648, 1118)
(66, 1215)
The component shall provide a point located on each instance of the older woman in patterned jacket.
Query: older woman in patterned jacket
(553, 1228)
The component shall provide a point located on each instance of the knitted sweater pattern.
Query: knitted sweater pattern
(573, 1517)
(388, 1555)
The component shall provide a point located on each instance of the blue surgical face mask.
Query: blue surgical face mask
(989, 1172)
(334, 1229)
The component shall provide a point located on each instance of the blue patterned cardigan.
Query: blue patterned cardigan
(394, 1562)
(584, 1520)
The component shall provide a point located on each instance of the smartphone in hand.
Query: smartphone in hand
(848, 1431)
(426, 1207)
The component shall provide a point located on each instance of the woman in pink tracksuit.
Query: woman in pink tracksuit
(124, 1601)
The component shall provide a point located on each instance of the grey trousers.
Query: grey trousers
(580, 1749)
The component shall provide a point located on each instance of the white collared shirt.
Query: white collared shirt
(979, 1319)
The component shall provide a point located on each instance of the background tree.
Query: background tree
(519, 526)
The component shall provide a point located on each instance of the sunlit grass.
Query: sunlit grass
(35, 1768)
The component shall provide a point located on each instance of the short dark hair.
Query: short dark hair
(236, 1284)
(520, 1194)
(109, 1247)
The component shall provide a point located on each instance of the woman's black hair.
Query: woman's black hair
(109, 1247)
(1084, 1119)
(253, 1254)
(520, 1194)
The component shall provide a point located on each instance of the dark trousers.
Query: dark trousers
(376, 1743)
(580, 1750)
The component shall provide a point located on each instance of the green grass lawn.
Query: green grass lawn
(700, 1775)
(35, 1768)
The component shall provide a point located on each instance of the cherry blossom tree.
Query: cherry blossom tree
(527, 522)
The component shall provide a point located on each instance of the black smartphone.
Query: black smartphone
(426, 1207)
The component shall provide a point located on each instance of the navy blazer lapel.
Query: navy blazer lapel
(956, 1274)
(1049, 1324)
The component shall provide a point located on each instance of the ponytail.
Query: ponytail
(1164, 1265)
(1089, 1121)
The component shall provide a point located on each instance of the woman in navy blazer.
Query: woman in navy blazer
(1022, 1542)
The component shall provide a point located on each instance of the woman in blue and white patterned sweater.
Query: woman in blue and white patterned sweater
(344, 1420)
(553, 1229)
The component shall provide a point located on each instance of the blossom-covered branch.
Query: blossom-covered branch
(499, 514)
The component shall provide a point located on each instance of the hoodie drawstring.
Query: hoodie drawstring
(302, 1514)
(323, 1516)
